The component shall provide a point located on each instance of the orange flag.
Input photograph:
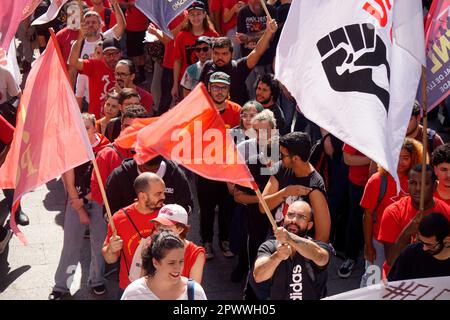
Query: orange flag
(50, 136)
(194, 135)
(127, 137)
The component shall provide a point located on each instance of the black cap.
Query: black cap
(203, 39)
(197, 5)
(111, 43)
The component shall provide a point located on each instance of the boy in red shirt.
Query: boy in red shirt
(401, 219)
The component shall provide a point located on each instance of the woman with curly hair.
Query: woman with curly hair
(380, 191)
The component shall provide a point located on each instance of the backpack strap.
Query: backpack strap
(107, 17)
(190, 289)
(383, 187)
(112, 146)
(132, 222)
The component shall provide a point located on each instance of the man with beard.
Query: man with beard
(133, 223)
(440, 159)
(237, 69)
(125, 73)
(415, 130)
(401, 219)
(296, 264)
(268, 90)
(430, 256)
(211, 192)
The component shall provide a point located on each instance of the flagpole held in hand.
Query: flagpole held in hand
(263, 4)
(97, 172)
(266, 208)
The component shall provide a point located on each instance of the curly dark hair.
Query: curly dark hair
(158, 248)
(441, 154)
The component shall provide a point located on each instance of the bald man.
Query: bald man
(293, 258)
(133, 224)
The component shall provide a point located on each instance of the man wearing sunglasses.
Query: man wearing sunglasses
(192, 74)
(430, 256)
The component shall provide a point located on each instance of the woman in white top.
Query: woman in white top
(163, 262)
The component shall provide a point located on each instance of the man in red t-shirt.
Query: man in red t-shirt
(133, 223)
(211, 192)
(108, 16)
(401, 219)
(358, 174)
(219, 90)
(125, 73)
(100, 72)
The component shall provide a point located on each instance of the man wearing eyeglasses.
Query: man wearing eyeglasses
(296, 264)
(125, 73)
(211, 192)
(401, 219)
(100, 72)
(191, 76)
(430, 256)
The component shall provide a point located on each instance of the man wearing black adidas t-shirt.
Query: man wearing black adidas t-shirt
(295, 264)
(296, 179)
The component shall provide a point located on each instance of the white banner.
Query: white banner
(354, 67)
(415, 289)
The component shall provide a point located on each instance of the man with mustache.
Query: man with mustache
(133, 223)
(296, 264)
(237, 69)
(430, 256)
(125, 73)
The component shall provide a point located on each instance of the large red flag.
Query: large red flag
(11, 13)
(50, 136)
(194, 135)
(127, 138)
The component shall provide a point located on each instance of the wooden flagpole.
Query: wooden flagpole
(263, 4)
(424, 141)
(97, 172)
(266, 208)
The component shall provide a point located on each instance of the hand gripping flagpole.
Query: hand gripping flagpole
(97, 172)
(265, 206)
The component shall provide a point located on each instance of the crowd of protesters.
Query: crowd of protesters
(326, 197)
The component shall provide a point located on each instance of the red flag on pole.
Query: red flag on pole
(50, 136)
(194, 135)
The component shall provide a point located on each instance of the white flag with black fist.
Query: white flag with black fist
(354, 67)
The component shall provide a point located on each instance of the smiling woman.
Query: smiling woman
(163, 261)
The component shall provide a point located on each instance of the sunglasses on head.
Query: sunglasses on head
(204, 49)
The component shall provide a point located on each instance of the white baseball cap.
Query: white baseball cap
(170, 214)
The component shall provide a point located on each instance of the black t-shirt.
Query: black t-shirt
(279, 115)
(296, 278)
(414, 263)
(250, 24)
(238, 72)
(286, 177)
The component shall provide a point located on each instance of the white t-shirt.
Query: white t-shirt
(87, 52)
(8, 85)
(138, 290)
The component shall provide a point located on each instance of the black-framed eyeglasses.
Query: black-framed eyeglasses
(282, 156)
(204, 49)
(298, 216)
(121, 74)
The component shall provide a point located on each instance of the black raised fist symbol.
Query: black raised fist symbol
(358, 46)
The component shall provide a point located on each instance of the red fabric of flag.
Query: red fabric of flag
(50, 136)
(194, 135)
(127, 137)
